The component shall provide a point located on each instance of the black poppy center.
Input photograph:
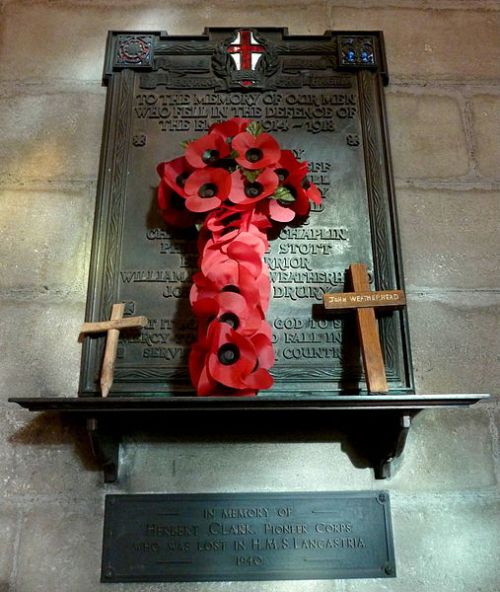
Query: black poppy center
(207, 190)
(210, 156)
(228, 164)
(254, 155)
(231, 319)
(253, 189)
(306, 184)
(231, 288)
(282, 174)
(230, 219)
(181, 179)
(228, 354)
(177, 202)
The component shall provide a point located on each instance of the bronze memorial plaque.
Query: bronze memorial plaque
(254, 536)
(321, 96)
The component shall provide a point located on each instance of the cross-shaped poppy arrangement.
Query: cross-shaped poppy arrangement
(233, 183)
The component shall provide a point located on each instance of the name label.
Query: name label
(364, 299)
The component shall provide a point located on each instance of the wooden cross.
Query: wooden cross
(364, 301)
(113, 328)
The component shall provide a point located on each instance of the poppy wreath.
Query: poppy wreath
(233, 183)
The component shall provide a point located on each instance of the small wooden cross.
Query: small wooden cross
(112, 327)
(364, 301)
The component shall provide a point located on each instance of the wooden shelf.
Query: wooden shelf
(375, 425)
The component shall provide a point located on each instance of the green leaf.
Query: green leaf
(255, 128)
(185, 144)
(234, 154)
(251, 176)
(284, 195)
(198, 226)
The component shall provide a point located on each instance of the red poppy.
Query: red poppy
(233, 361)
(231, 308)
(256, 152)
(224, 224)
(312, 191)
(245, 192)
(217, 266)
(230, 128)
(226, 217)
(288, 165)
(206, 189)
(246, 249)
(263, 342)
(175, 174)
(226, 363)
(302, 190)
(173, 207)
(260, 219)
(242, 282)
(263, 283)
(208, 387)
(279, 212)
(196, 362)
(206, 151)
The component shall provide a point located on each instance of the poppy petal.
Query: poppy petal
(279, 213)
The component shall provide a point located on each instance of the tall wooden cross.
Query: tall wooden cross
(112, 328)
(364, 301)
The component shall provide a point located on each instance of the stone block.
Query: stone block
(486, 122)
(8, 528)
(44, 239)
(429, 44)
(47, 456)
(301, 18)
(420, 43)
(60, 548)
(449, 239)
(70, 41)
(51, 134)
(427, 136)
(43, 356)
(447, 450)
(455, 342)
(217, 466)
(442, 544)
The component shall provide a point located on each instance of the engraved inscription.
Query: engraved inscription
(164, 339)
(190, 112)
(275, 536)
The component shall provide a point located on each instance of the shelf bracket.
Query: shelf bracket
(392, 446)
(105, 445)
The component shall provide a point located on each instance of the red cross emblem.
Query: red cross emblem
(245, 51)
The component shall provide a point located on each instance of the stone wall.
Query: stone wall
(444, 113)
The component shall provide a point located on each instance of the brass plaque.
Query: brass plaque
(247, 536)
(321, 96)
